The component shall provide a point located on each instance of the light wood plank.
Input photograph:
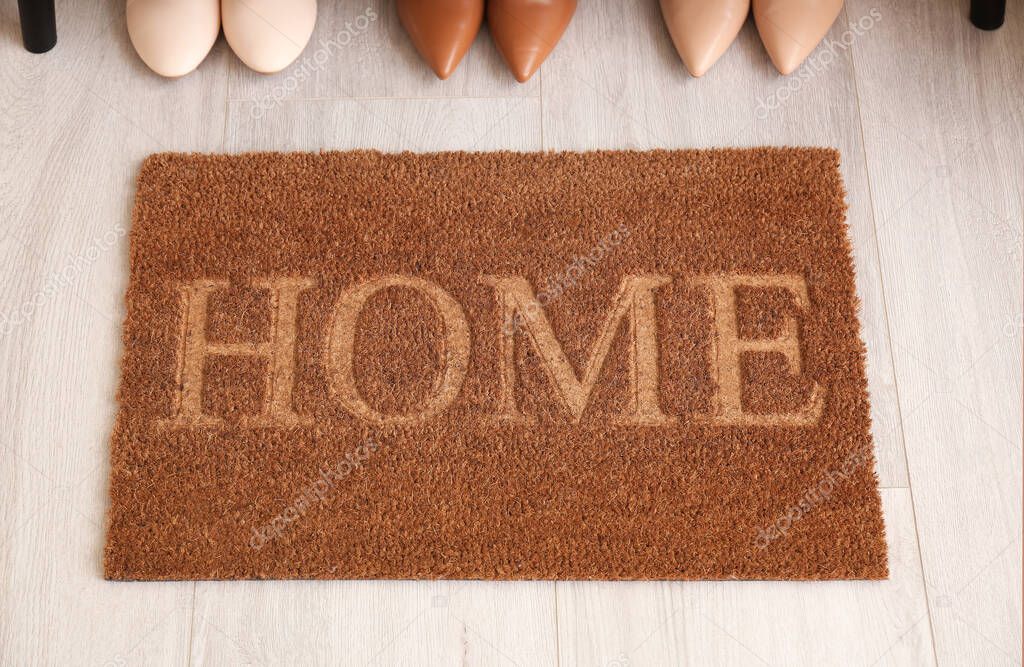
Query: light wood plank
(388, 125)
(619, 624)
(946, 156)
(76, 123)
(375, 623)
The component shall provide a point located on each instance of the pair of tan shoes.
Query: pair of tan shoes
(525, 31)
(703, 29)
(173, 36)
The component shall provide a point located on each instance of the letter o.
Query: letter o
(340, 348)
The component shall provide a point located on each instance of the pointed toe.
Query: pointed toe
(268, 35)
(444, 62)
(441, 30)
(699, 57)
(173, 36)
(525, 62)
(523, 70)
(443, 71)
(526, 31)
(787, 57)
(791, 29)
(702, 31)
(698, 66)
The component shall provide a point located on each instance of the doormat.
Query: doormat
(608, 365)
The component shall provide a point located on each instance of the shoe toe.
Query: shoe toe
(268, 35)
(525, 61)
(787, 55)
(173, 36)
(792, 29)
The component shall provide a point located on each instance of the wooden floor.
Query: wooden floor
(927, 112)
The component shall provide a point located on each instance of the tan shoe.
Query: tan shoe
(790, 29)
(702, 30)
(526, 31)
(173, 36)
(441, 30)
(268, 35)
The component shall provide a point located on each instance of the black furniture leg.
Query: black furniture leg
(38, 25)
(988, 14)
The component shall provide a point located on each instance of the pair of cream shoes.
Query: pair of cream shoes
(791, 29)
(173, 36)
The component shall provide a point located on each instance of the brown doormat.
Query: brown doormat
(611, 365)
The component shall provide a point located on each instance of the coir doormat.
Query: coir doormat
(611, 365)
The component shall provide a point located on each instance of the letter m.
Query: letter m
(634, 301)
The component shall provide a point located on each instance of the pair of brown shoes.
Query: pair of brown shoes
(525, 31)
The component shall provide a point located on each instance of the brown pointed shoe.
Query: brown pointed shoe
(526, 31)
(441, 30)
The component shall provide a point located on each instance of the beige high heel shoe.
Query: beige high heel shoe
(268, 35)
(791, 29)
(173, 36)
(702, 30)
